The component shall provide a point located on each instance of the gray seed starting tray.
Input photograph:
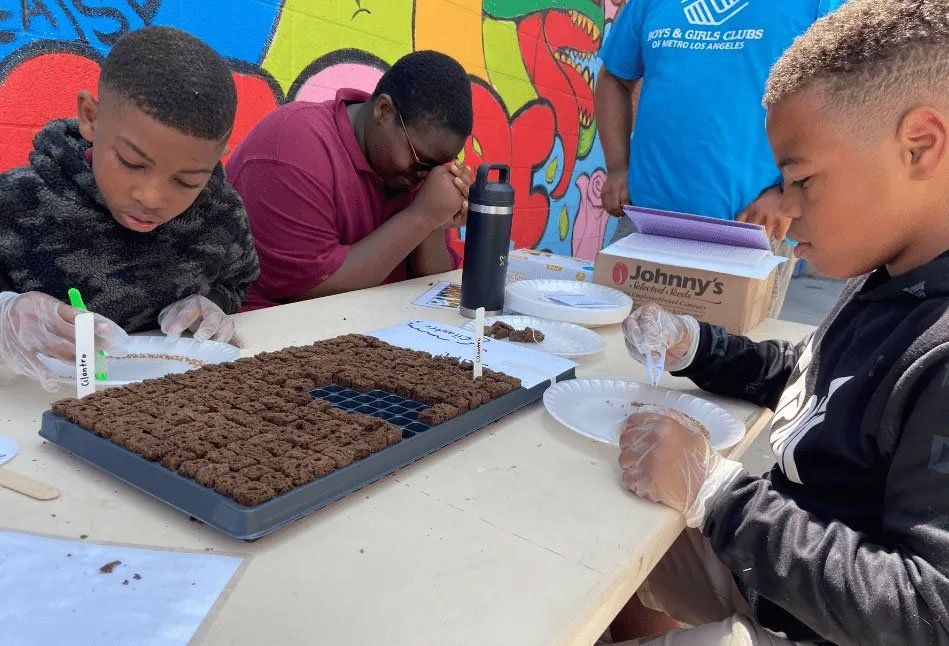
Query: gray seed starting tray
(250, 523)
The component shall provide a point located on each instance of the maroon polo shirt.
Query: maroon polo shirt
(310, 194)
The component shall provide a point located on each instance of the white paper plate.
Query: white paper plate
(561, 339)
(532, 298)
(8, 448)
(126, 370)
(597, 409)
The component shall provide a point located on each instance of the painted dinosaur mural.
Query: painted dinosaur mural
(562, 46)
(531, 64)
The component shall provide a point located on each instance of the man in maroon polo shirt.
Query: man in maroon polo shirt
(359, 191)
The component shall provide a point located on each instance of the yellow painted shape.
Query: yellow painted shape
(453, 28)
(506, 70)
(310, 29)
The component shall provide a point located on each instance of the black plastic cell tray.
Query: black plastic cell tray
(249, 523)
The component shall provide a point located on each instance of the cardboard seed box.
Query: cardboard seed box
(719, 284)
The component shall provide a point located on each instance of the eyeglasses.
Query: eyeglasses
(408, 139)
(419, 164)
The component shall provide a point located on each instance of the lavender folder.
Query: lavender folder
(672, 224)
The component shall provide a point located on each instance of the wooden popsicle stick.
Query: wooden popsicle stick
(27, 486)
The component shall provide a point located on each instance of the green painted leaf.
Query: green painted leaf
(587, 137)
(551, 173)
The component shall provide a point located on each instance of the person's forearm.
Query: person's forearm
(613, 102)
(373, 258)
(732, 365)
(430, 257)
(837, 581)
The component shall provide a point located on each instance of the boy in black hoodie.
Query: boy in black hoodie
(127, 203)
(846, 540)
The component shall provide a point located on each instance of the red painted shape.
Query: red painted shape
(255, 99)
(44, 88)
(35, 92)
(540, 35)
(523, 144)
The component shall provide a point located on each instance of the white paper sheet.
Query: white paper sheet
(530, 366)
(707, 256)
(53, 592)
(8, 448)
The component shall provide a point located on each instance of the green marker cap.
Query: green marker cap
(75, 299)
(101, 367)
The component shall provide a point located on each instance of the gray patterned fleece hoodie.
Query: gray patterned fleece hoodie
(56, 233)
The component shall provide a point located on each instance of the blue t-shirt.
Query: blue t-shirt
(699, 144)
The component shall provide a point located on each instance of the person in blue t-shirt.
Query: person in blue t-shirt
(699, 144)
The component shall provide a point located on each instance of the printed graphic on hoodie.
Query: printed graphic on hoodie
(796, 416)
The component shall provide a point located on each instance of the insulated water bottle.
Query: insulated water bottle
(487, 240)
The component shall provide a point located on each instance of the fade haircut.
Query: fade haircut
(174, 78)
(429, 87)
(870, 57)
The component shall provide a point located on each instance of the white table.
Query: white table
(519, 534)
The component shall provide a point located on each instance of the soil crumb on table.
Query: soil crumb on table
(109, 568)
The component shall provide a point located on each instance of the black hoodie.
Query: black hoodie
(847, 538)
(56, 232)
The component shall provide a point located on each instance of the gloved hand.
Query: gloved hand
(667, 459)
(35, 323)
(200, 315)
(650, 326)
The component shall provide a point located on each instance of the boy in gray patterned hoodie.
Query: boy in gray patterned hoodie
(128, 203)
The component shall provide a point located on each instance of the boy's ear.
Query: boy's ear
(924, 137)
(87, 111)
(383, 108)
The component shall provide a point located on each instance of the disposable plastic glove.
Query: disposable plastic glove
(651, 328)
(35, 323)
(667, 459)
(201, 316)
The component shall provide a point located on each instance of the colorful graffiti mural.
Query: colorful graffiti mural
(532, 65)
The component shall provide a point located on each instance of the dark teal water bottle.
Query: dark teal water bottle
(487, 240)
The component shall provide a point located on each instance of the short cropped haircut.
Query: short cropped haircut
(174, 78)
(872, 56)
(430, 88)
